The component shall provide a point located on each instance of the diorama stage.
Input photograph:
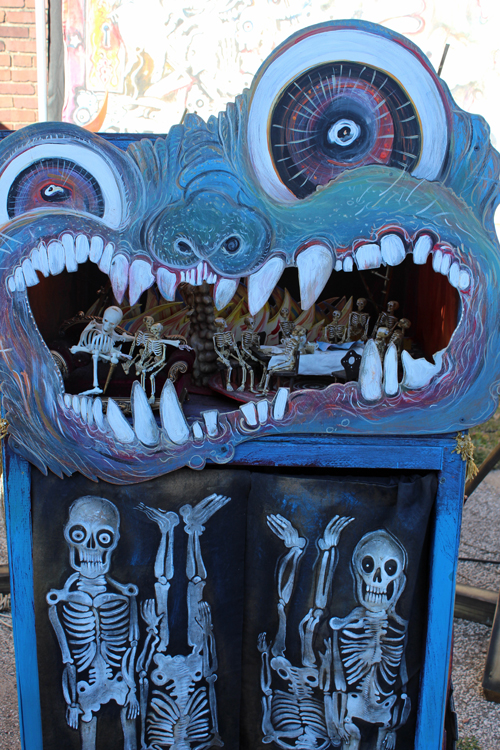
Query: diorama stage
(231, 608)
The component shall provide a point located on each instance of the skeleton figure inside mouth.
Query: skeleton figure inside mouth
(360, 677)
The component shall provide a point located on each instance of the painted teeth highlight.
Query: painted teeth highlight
(315, 265)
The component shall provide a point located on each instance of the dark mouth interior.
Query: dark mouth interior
(425, 298)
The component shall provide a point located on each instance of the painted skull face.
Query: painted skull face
(348, 152)
(92, 533)
(378, 564)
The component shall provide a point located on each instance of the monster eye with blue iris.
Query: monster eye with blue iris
(341, 116)
(54, 182)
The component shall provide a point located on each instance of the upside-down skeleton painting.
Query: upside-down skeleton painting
(346, 155)
(96, 623)
(325, 701)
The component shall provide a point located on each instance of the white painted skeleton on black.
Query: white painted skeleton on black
(95, 621)
(355, 677)
(181, 713)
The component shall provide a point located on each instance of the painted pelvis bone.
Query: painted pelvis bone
(347, 155)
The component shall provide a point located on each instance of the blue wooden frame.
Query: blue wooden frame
(328, 452)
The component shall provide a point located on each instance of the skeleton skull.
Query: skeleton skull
(92, 533)
(378, 564)
(111, 318)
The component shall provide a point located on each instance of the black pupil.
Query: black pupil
(232, 244)
(183, 247)
(390, 567)
(368, 564)
(345, 133)
(104, 538)
(55, 194)
(78, 533)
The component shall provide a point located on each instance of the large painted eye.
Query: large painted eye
(55, 181)
(78, 534)
(55, 174)
(339, 117)
(339, 98)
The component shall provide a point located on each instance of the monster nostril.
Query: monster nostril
(232, 244)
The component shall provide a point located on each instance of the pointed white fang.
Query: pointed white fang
(118, 423)
(67, 400)
(419, 372)
(29, 272)
(347, 264)
(393, 249)
(263, 411)
(197, 431)
(262, 283)
(454, 275)
(140, 279)
(83, 408)
(279, 403)
(391, 370)
(445, 264)
(370, 372)
(96, 248)
(106, 258)
(437, 259)
(98, 415)
(224, 291)
(118, 275)
(338, 265)
(82, 249)
(145, 426)
(57, 260)
(19, 280)
(68, 243)
(75, 403)
(40, 259)
(249, 413)
(315, 265)
(211, 419)
(172, 417)
(167, 283)
(368, 256)
(464, 280)
(421, 249)
(11, 283)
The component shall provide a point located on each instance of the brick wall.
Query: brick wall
(18, 88)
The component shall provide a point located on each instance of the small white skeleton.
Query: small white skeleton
(388, 318)
(249, 341)
(182, 714)
(398, 335)
(152, 356)
(227, 352)
(292, 345)
(286, 326)
(295, 718)
(95, 621)
(335, 333)
(103, 342)
(357, 327)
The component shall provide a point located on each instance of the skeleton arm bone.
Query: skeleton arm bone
(265, 684)
(128, 662)
(69, 672)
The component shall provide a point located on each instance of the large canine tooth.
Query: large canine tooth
(419, 372)
(224, 291)
(421, 249)
(262, 283)
(368, 256)
(118, 423)
(140, 279)
(279, 403)
(445, 264)
(464, 280)
(29, 272)
(172, 417)
(167, 283)
(211, 419)
(437, 259)
(454, 275)
(393, 249)
(40, 259)
(197, 431)
(56, 256)
(82, 249)
(145, 426)
(106, 258)
(347, 264)
(98, 414)
(249, 412)
(118, 275)
(263, 410)
(391, 370)
(19, 280)
(370, 372)
(69, 252)
(315, 265)
(96, 248)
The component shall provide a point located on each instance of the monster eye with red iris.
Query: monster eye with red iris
(341, 116)
(57, 183)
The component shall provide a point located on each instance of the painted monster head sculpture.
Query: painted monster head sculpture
(346, 154)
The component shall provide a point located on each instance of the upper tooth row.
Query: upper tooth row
(174, 424)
